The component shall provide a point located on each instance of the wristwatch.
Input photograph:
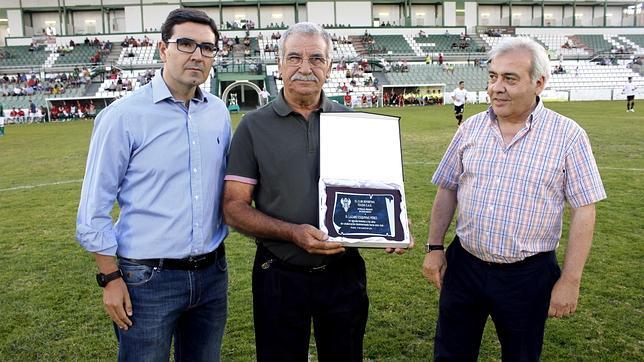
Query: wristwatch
(103, 279)
(432, 247)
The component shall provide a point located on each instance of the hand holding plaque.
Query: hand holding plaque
(362, 200)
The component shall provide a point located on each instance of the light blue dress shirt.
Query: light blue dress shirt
(164, 163)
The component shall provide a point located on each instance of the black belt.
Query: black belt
(271, 259)
(195, 262)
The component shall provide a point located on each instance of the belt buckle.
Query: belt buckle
(195, 261)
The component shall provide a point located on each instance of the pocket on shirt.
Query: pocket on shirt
(136, 274)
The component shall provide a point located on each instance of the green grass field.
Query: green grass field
(50, 305)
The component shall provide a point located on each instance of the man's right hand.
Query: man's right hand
(434, 267)
(313, 240)
(116, 301)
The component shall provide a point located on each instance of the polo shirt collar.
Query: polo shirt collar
(160, 90)
(283, 109)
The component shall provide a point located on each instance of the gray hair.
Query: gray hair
(539, 64)
(308, 29)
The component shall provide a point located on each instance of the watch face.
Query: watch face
(100, 279)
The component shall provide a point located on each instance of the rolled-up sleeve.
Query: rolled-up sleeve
(107, 163)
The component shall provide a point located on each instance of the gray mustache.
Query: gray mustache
(310, 77)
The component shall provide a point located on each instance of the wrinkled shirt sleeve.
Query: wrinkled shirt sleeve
(451, 166)
(107, 162)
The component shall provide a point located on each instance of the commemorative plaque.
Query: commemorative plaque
(362, 198)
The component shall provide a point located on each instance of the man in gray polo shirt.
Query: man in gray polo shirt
(298, 276)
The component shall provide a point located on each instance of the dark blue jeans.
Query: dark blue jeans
(517, 296)
(189, 305)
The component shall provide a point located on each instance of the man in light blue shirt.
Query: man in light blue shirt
(161, 154)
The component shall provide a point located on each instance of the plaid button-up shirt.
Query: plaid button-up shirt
(511, 197)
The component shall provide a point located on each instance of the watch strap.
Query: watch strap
(431, 247)
(103, 279)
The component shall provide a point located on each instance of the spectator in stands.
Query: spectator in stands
(401, 99)
(156, 226)
(73, 111)
(504, 249)
(559, 69)
(347, 100)
(91, 109)
(54, 112)
(459, 97)
(264, 95)
(14, 117)
(80, 109)
(374, 99)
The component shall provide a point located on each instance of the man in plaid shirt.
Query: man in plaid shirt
(510, 170)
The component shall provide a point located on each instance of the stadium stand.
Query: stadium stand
(592, 58)
(143, 55)
(594, 43)
(395, 45)
(448, 43)
(586, 75)
(21, 56)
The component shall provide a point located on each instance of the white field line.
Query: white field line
(25, 187)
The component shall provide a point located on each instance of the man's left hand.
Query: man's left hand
(563, 299)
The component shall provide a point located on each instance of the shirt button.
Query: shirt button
(194, 143)
(196, 224)
(197, 197)
(195, 170)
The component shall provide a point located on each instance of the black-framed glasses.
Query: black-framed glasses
(296, 61)
(187, 45)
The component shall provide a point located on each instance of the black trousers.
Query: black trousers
(286, 299)
(516, 296)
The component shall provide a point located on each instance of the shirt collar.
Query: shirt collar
(534, 117)
(160, 90)
(283, 109)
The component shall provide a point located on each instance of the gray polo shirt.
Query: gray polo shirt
(278, 150)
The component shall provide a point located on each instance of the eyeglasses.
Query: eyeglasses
(187, 45)
(296, 61)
